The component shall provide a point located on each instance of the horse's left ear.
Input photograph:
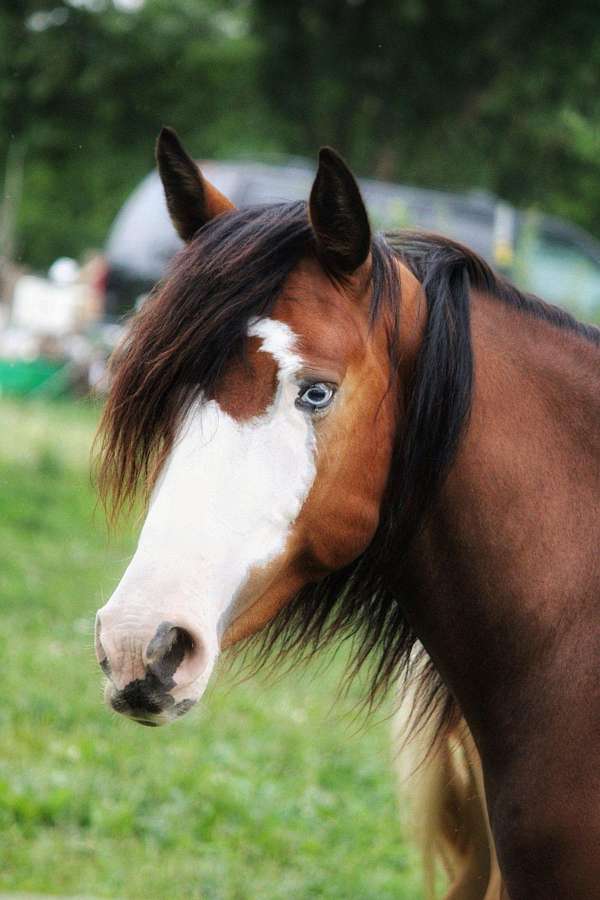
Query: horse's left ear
(192, 200)
(338, 215)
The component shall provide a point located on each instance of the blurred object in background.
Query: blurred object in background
(560, 263)
(50, 306)
(542, 254)
(46, 345)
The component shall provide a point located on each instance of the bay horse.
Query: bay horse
(340, 433)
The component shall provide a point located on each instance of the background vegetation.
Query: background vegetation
(268, 791)
(489, 94)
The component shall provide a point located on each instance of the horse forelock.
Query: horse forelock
(179, 345)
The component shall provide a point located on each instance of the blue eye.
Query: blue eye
(315, 397)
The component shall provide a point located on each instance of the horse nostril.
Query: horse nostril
(167, 651)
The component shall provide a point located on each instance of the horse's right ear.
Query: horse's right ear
(191, 199)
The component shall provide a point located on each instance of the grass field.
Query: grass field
(267, 791)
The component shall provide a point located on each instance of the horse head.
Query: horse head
(254, 402)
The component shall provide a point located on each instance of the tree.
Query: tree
(84, 91)
(490, 94)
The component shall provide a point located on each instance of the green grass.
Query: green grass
(267, 791)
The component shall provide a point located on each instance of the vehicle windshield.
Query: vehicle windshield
(554, 267)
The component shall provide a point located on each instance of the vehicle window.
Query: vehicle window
(559, 270)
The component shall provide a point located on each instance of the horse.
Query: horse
(346, 434)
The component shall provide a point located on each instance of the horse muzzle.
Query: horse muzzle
(154, 674)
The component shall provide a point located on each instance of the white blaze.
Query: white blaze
(224, 504)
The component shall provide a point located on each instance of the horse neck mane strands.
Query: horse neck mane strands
(179, 344)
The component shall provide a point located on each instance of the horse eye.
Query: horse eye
(315, 397)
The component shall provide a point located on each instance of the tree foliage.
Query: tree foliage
(494, 94)
(84, 90)
(491, 94)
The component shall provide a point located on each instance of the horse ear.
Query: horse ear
(191, 199)
(338, 215)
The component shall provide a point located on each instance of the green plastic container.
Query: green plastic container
(21, 378)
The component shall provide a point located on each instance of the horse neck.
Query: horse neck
(500, 578)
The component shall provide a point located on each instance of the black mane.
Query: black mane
(428, 255)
